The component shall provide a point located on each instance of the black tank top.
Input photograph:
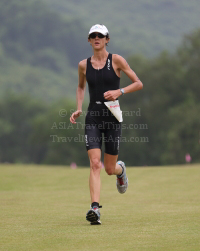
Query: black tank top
(102, 80)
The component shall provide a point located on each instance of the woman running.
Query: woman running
(102, 72)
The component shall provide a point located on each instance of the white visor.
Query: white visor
(99, 28)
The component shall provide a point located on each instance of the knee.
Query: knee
(95, 164)
(109, 170)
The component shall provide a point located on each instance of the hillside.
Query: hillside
(42, 41)
(36, 50)
(165, 129)
(142, 27)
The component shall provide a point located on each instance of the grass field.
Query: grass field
(43, 208)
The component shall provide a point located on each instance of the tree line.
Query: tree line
(39, 47)
(161, 122)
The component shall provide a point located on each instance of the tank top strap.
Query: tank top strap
(88, 62)
(110, 56)
(109, 61)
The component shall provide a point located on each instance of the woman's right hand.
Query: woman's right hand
(74, 116)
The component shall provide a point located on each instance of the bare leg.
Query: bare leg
(95, 169)
(111, 167)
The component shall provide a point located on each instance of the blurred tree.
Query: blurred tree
(16, 115)
(163, 118)
(28, 27)
(64, 142)
(170, 91)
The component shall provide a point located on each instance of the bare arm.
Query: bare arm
(121, 65)
(80, 92)
(136, 83)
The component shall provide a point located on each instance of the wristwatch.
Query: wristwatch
(122, 91)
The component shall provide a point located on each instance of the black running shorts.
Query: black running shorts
(99, 120)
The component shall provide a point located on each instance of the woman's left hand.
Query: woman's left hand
(112, 95)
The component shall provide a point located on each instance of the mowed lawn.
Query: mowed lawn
(44, 208)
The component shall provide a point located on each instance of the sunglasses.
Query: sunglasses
(93, 35)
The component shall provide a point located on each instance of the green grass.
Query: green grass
(43, 208)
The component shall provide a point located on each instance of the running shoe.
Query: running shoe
(93, 215)
(122, 180)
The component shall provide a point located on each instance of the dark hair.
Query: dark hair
(107, 37)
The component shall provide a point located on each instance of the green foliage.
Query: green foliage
(28, 27)
(63, 141)
(36, 50)
(39, 83)
(17, 114)
(169, 105)
(144, 27)
(49, 42)
(32, 131)
(38, 72)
